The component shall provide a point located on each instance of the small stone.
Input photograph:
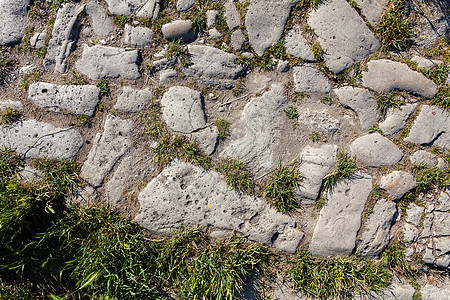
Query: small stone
(237, 40)
(422, 157)
(441, 226)
(207, 139)
(78, 99)
(428, 257)
(232, 15)
(138, 36)
(282, 66)
(102, 24)
(384, 76)
(414, 214)
(396, 119)
(182, 109)
(308, 79)
(425, 63)
(362, 101)
(179, 29)
(37, 40)
(116, 185)
(184, 5)
(100, 61)
(296, 45)
(9, 103)
(211, 16)
(397, 183)
(371, 150)
(214, 33)
(166, 75)
(131, 100)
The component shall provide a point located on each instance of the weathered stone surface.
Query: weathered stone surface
(316, 163)
(432, 127)
(375, 236)
(232, 15)
(441, 224)
(34, 139)
(64, 36)
(426, 63)
(444, 201)
(166, 75)
(78, 99)
(342, 34)
(211, 16)
(265, 22)
(179, 29)
(396, 119)
(372, 9)
(410, 233)
(38, 39)
(14, 20)
(214, 33)
(150, 9)
(414, 214)
(361, 101)
(395, 291)
(213, 66)
(237, 39)
(255, 139)
(422, 157)
(320, 120)
(182, 109)
(107, 148)
(372, 150)
(207, 139)
(384, 76)
(184, 5)
(296, 45)
(186, 195)
(100, 61)
(137, 36)
(102, 24)
(9, 103)
(115, 187)
(340, 218)
(131, 100)
(397, 183)
(142, 8)
(430, 292)
(308, 79)
(30, 174)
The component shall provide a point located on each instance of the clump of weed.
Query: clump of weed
(153, 125)
(264, 62)
(345, 167)
(8, 116)
(159, 91)
(237, 175)
(121, 21)
(335, 277)
(428, 178)
(315, 136)
(9, 162)
(393, 257)
(29, 78)
(84, 120)
(320, 203)
(387, 101)
(199, 22)
(439, 49)
(442, 98)
(375, 128)
(394, 29)
(326, 100)
(103, 85)
(176, 48)
(6, 64)
(223, 128)
(14, 291)
(291, 112)
(317, 51)
(278, 50)
(279, 191)
(76, 79)
(238, 87)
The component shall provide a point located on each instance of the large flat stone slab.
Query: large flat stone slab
(343, 34)
(308, 79)
(132, 100)
(35, 139)
(183, 195)
(101, 61)
(102, 24)
(375, 150)
(384, 76)
(361, 101)
(78, 99)
(258, 133)
(107, 148)
(212, 66)
(340, 218)
(432, 127)
(265, 22)
(13, 13)
(296, 45)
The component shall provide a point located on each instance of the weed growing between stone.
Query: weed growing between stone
(394, 29)
(315, 136)
(223, 128)
(394, 258)
(439, 75)
(6, 64)
(291, 112)
(29, 78)
(387, 101)
(237, 175)
(427, 178)
(279, 190)
(8, 116)
(103, 85)
(76, 79)
(336, 277)
(345, 167)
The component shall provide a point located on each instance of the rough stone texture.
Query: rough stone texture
(371, 150)
(212, 66)
(9, 103)
(296, 45)
(150, 9)
(375, 235)
(396, 119)
(340, 218)
(320, 120)
(265, 22)
(14, 20)
(142, 8)
(115, 187)
(207, 139)
(100, 61)
(237, 39)
(78, 99)
(102, 24)
(361, 101)
(384, 76)
(422, 157)
(397, 183)
(184, 5)
(179, 29)
(38, 39)
(255, 139)
(342, 34)
(372, 9)
(426, 63)
(430, 292)
(410, 234)
(232, 15)
(211, 16)
(64, 37)
(308, 79)
(395, 291)
(131, 100)
(137, 36)
(107, 148)
(432, 127)
(214, 33)
(414, 214)
(182, 109)
(166, 75)
(316, 163)
(186, 195)
(34, 139)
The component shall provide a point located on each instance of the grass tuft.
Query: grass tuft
(394, 28)
(345, 167)
(8, 116)
(393, 257)
(153, 125)
(291, 112)
(6, 65)
(237, 175)
(223, 128)
(103, 85)
(76, 79)
(387, 101)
